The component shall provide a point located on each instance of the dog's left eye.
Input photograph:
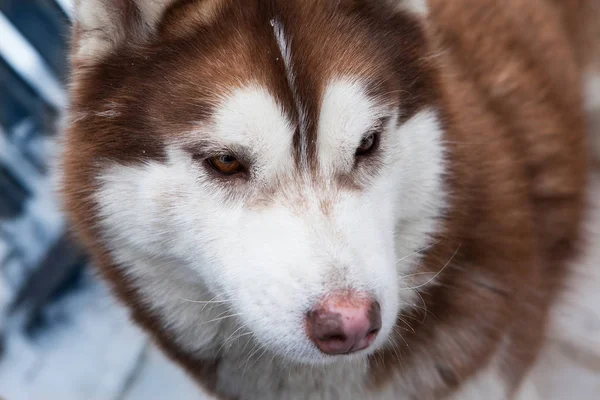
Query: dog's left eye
(368, 144)
(225, 164)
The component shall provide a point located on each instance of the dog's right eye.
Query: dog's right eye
(367, 144)
(225, 164)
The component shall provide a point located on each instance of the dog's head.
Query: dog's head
(285, 155)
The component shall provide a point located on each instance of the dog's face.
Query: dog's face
(275, 152)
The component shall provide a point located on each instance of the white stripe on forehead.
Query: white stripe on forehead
(347, 114)
(285, 49)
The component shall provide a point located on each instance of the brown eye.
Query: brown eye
(368, 144)
(225, 164)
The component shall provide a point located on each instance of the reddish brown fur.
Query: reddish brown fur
(507, 81)
(515, 120)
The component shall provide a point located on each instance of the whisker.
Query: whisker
(424, 308)
(264, 351)
(398, 356)
(418, 251)
(241, 335)
(257, 349)
(204, 301)
(410, 328)
(421, 321)
(210, 302)
(229, 339)
(221, 318)
(419, 273)
(244, 348)
(437, 274)
(254, 346)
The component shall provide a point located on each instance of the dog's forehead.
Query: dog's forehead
(251, 117)
(293, 50)
(296, 51)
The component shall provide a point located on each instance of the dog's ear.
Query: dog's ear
(102, 25)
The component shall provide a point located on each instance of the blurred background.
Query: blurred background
(61, 335)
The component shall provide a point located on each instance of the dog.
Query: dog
(336, 199)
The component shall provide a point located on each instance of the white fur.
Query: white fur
(250, 118)
(528, 391)
(592, 104)
(419, 7)
(152, 10)
(285, 48)
(490, 384)
(181, 236)
(347, 115)
(487, 384)
(93, 16)
(101, 28)
(592, 92)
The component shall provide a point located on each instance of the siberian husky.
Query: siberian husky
(337, 199)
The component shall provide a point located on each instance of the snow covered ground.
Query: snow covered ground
(88, 350)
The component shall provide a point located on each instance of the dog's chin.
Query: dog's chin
(325, 359)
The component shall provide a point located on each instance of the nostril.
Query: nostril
(374, 332)
(334, 338)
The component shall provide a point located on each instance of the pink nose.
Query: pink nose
(344, 323)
